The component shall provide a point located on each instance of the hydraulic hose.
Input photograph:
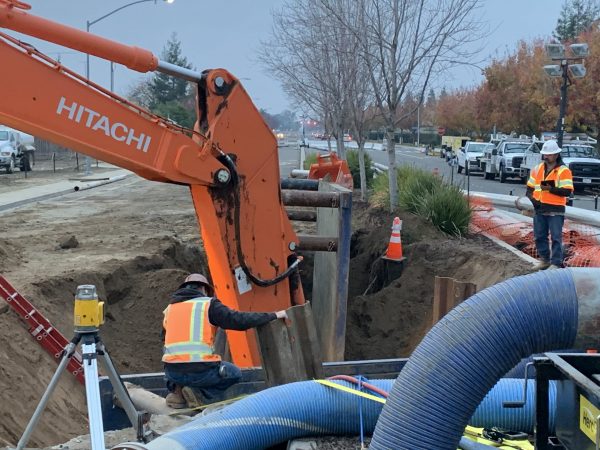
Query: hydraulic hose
(235, 182)
(464, 354)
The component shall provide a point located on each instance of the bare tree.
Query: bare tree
(356, 77)
(303, 54)
(404, 45)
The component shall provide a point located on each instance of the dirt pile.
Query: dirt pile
(136, 293)
(392, 321)
(137, 240)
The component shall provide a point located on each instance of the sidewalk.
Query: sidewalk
(18, 197)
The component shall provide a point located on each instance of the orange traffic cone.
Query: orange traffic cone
(394, 250)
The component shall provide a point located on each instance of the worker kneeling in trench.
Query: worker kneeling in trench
(195, 374)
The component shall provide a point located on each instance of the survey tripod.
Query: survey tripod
(89, 315)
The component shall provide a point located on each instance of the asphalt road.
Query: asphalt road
(475, 182)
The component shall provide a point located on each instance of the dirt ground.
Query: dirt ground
(135, 240)
(390, 322)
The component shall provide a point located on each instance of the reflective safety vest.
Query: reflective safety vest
(189, 335)
(562, 178)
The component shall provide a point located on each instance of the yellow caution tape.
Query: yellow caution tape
(475, 434)
(351, 391)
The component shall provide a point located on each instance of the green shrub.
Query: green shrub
(353, 165)
(426, 195)
(414, 186)
(380, 198)
(310, 158)
(448, 209)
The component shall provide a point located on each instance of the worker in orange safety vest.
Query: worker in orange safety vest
(549, 185)
(195, 373)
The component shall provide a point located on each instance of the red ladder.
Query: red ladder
(40, 328)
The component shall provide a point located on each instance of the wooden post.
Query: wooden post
(448, 293)
(290, 351)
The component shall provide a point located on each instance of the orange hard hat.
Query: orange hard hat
(197, 278)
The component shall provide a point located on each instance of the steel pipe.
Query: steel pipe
(523, 203)
(300, 184)
(302, 215)
(317, 243)
(310, 198)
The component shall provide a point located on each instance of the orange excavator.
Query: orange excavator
(229, 161)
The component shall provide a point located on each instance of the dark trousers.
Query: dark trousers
(542, 225)
(208, 379)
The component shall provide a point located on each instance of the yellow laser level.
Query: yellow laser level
(88, 311)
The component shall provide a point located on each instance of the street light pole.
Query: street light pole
(88, 24)
(569, 66)
(560, 125)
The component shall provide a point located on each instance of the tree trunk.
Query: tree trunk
(363, 171)
(341, 151)
(393, 175)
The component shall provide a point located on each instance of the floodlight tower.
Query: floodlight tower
(569, 66)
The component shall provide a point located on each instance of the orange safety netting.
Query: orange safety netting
(581, 242)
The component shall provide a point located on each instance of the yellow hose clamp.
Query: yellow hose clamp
(89, 311)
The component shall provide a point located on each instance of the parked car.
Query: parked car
(469, 156)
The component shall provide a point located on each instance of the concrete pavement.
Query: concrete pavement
(19, 197)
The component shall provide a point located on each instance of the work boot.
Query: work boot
(542, 265)
(175, 399)
(193, 399)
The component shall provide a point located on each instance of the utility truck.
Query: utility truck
(16, 150)
(578, 153)
(505, 159)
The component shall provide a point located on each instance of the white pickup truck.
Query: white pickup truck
(16, 150)
(580, 156)
(506, 159)
(469, 157)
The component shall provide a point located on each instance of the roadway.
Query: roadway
(412, 156)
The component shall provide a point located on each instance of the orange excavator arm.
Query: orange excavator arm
(230, 160)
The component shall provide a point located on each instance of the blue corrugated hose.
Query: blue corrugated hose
(463, 356)
(307, 408)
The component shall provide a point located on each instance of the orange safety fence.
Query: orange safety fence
(581, 242)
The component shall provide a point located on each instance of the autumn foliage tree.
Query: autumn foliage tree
(517, 95)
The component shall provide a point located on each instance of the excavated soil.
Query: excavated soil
(135, 240)
(390, 322)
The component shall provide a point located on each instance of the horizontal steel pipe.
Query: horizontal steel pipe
(318, 243)
(300, 184)
(310, 198)
(299, 173)
(578, 215)
(302, 215)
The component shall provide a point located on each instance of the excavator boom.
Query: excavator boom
(230, 161)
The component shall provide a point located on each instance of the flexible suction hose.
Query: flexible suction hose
(463, 356)
(307, 408)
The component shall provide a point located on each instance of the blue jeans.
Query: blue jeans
(541, 226)
(208, 379)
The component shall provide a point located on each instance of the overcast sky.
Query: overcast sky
(227, 34)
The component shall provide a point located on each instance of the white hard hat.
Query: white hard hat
(550, 148)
